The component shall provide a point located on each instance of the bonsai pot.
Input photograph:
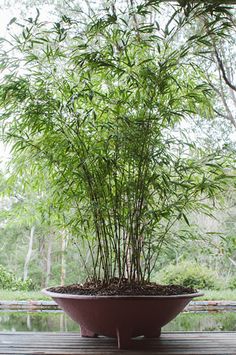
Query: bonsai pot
(122, 317)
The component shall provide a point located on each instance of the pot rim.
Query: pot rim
(72, 296)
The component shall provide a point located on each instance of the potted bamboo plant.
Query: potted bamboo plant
(98, 100)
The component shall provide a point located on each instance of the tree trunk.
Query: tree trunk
(232, 261)
(29, 253)
(48, 261)
(63, 258)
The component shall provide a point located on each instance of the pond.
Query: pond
(57, 321)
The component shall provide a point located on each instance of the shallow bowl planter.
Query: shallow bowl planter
(122, 317)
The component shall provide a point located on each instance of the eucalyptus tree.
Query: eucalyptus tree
(217, 57)
(95, 99)
(224, 85)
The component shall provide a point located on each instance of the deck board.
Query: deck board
(179, 343)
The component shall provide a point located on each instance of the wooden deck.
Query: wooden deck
(190, 343)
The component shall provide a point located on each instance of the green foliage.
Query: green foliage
(96, 104)
(27, 285)
(232, 283)
(9, 282)
(191, 274)
(6, 279)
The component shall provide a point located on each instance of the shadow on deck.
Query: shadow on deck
(189, 343)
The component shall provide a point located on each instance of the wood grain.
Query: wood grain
(189, 343)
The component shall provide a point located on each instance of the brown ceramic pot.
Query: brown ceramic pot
(123, 317)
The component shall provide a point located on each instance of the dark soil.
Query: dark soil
(118, 287)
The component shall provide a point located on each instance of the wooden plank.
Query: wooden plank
(51, 305)
(178, 343)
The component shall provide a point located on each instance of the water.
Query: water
(57, 321)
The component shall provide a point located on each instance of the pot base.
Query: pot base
(123, 336)
(86, 333)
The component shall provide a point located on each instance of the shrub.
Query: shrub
(192, 275)
(232, 283)
(6, 278)
(26, 285)
(9, 282)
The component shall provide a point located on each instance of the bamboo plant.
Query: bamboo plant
(96, 100)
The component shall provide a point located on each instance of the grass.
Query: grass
(209, 295)
(221, 295)
(6, 295)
